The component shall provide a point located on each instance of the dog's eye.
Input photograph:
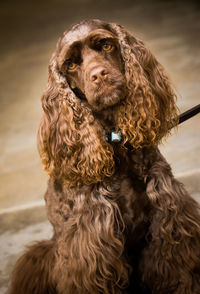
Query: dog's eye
(107, 47)
(71, 65)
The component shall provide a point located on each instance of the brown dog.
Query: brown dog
(122, 223)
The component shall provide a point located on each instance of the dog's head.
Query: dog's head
(90, 59)
(98, 66)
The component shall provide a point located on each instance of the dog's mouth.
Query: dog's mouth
(106, 95)
(106, 100)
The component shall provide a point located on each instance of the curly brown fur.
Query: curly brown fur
(122, 223)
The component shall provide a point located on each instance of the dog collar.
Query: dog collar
(116, 137)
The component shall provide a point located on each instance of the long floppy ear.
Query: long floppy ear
(70, 142)
(149, 110)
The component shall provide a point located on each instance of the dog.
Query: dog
(122, 222)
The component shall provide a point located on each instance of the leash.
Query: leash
(115, 137)
(188, 114)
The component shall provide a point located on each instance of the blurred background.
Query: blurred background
(29, 30)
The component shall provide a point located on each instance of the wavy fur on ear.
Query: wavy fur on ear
(149, 108)
(71, 144)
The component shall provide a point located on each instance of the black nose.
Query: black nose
(98, 74)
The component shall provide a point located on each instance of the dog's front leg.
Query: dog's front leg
(171, 262)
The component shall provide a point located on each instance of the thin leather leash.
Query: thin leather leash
(188, 114)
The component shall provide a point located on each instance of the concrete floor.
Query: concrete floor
(29, 31)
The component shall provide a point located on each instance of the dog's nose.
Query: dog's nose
(98, 74)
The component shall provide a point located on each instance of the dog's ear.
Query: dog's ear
(149, 110)
(70, 142)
